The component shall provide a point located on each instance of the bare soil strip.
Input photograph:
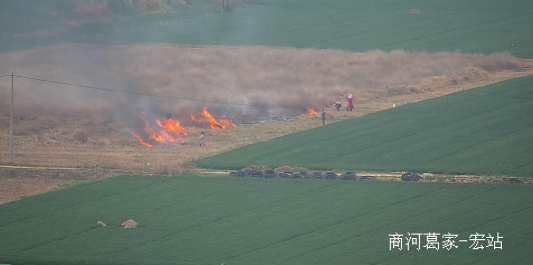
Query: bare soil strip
(21, 181)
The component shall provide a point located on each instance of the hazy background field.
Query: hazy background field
(455, 25)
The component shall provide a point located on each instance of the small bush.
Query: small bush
(81, 136)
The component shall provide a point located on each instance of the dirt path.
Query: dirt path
(39, 167)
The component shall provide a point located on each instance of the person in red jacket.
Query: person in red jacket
(337, 105)
(350, 102)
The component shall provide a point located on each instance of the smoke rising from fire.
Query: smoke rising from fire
(261, 81)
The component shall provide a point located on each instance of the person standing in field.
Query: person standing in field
(350, 102)
(323, 117)
(202, 139)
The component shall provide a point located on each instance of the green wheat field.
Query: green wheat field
(216, 220)
(414, 25)
(486, 130)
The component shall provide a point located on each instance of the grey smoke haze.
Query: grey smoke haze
(293, 79)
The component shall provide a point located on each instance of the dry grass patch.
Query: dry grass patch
(18, 181)
(119, 151)
(14, 188)
(48, 127)
(291, 78)
(129, 224)
(81, 135)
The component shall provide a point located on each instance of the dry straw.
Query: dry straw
(50, 119)
(129, 224)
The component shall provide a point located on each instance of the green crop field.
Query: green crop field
(217, 220)
(487, 130)
(475, 26)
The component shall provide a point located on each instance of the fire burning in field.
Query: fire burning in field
(141, 141)
(167, 127)
(171, 131)
(221, 123)
(312, 111)
(172, 125)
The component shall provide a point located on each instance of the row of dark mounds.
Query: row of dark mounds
(269, 173)
(282, 172)
(409, 176)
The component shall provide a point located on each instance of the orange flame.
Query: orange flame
(141, 141)
(172, 125)
(227, 121)
(153, 134)
(163, 136)
(312, 111)
(171, 130)
(213, 123)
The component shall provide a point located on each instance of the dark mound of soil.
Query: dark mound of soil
(410, 176)
(256, 174)
(302, 175)
(240, 174)
(316, 175)
(348, 176)
(270, 174)
(331, 175)
(514, 180)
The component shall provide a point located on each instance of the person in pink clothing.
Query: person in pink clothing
(201, 140)
(350, 102)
